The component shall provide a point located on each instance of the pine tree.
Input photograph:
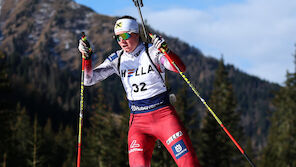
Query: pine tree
(102, 137)
(186, 111)
(66, 146)
(48, 139)
(281, 146)
(35, 159)
(19, 141)
(123, 133)
(250, 151)
(5, 88)
(7, 108)
(216, 148)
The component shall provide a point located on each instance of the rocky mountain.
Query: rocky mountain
(40, 38)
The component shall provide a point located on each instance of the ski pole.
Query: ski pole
(81, 105)
(137, 4)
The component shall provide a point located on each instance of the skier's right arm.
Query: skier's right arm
(92, 76)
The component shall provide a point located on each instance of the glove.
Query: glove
(159, 43)
(85, 49)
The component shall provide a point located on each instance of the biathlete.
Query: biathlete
(141, 68)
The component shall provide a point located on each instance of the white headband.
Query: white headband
(126, 24)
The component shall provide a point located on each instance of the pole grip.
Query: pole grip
(84, 39)
(138, 3)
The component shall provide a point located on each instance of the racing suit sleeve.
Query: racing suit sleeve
(101, 72)
(168, 65)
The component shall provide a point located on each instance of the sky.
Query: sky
(256, 36)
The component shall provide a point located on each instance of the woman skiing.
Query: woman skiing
(141, 67)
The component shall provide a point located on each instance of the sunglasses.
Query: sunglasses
(123, 36)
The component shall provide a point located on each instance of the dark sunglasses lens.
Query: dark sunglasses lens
(123, 36)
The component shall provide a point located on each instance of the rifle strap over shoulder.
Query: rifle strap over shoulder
(147, 52)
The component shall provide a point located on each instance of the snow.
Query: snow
(56, 40)
(1, 1)
(33, 38)
(74, 5)
(67, 45)
(41, 17)
(90, 14)
(30, 37)
(78, 31)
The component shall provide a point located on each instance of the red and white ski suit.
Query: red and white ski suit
(152, 116)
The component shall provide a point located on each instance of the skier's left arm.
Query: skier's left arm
(159, 43)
